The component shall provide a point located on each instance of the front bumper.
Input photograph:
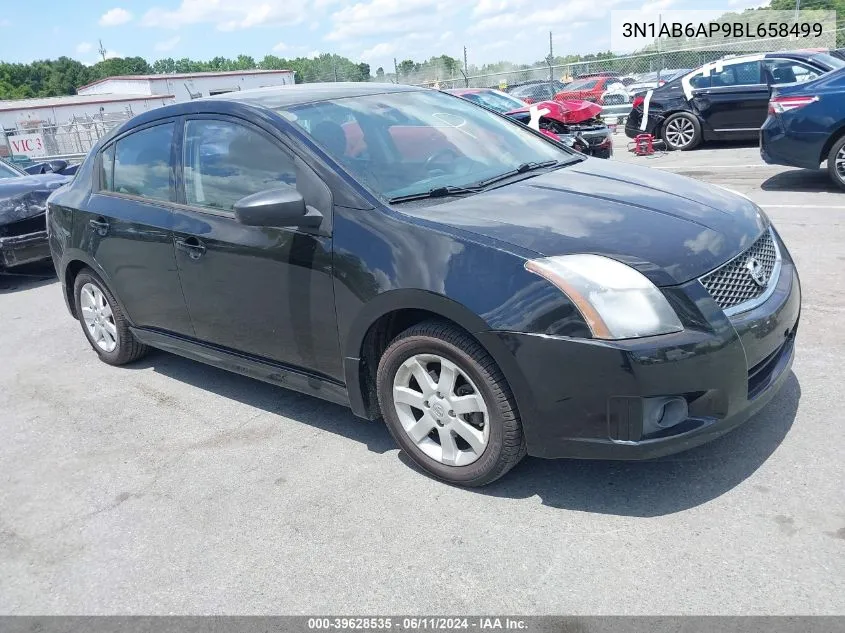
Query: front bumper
(583, 398)
(23, 249)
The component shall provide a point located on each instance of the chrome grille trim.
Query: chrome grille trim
(732, 287)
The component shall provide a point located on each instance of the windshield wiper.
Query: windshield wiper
(481, 185)
(437, 192)
(521, 169)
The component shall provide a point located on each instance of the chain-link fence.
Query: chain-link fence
(509, 75)
(34, 140)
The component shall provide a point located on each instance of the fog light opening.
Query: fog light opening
(663, 413)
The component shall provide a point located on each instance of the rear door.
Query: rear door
(263, 291)
(732, 101)
(128, 222)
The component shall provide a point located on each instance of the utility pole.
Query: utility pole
(102, 50)
(466, 69)
(797, 8)
(551, 60)
(396, 69)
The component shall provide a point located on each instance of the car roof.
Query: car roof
(263, 98)
(294, 94)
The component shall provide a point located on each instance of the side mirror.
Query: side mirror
(57, 166)
(276, 207)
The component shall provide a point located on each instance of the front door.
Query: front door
(127, 227)
(266, 292)
(736, 100)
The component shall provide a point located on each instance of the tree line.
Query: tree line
(62, 76)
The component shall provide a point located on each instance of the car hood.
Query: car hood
(670, 228)
(24, 197)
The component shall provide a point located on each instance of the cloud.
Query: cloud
(84, 47)
(227, 15)
(379, 51)
(115, 17)
(280, 47)
(387, 17)
(314, 53)
(490, 7)
(167, 45)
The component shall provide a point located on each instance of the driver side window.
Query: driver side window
(224, 162)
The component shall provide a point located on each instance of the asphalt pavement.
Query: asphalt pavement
(170, 487)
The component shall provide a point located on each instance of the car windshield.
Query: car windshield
(412, 142)
(498, 101)
(7, 171)
(582, 84)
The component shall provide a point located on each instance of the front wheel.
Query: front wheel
(681, 131)
(836, 163)
(103, 322)
(448, 406)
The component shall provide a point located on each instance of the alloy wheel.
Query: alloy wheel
(680, 132)
(441, 409)
(98, 317)
(840, 163)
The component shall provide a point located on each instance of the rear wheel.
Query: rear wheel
(681, 131)
(448, 406)
(836, 163)
(103, 322)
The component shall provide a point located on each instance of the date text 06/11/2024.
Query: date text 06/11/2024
(739, 30)
(428, 623)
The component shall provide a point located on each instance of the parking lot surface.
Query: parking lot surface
(172, 487)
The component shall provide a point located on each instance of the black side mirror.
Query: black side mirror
(276, 207)
(57, 166)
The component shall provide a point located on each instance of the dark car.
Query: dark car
(806, 126)
(722, 100)
(534, 91)
(483, 289)
(577, 124)
(23, 203)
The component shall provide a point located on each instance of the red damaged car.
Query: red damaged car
(575, 123)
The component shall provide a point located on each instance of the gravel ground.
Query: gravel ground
(173, 487)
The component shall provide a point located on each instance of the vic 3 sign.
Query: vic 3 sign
(29, 145)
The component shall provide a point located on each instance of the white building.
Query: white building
(187, 86)
(72, 124)
(51, 111)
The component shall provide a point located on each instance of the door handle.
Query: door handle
(192, 246)
(100, 225)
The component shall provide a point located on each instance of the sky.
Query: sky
(371, 31)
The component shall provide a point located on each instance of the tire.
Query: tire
(837, 177)
(88, 290)
(676, 130)
(493, 426)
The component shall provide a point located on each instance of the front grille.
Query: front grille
(614, 100)
(733, 284)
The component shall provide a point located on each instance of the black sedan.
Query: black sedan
(482, 288)
(722, 100)
(23, 203)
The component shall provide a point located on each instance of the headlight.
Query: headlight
(615, 300)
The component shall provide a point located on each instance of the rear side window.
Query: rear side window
(224, 161)
(142, 164)
(742, 74)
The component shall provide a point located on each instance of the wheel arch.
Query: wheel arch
(393, 312)
(831, 141)
(75, 264)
